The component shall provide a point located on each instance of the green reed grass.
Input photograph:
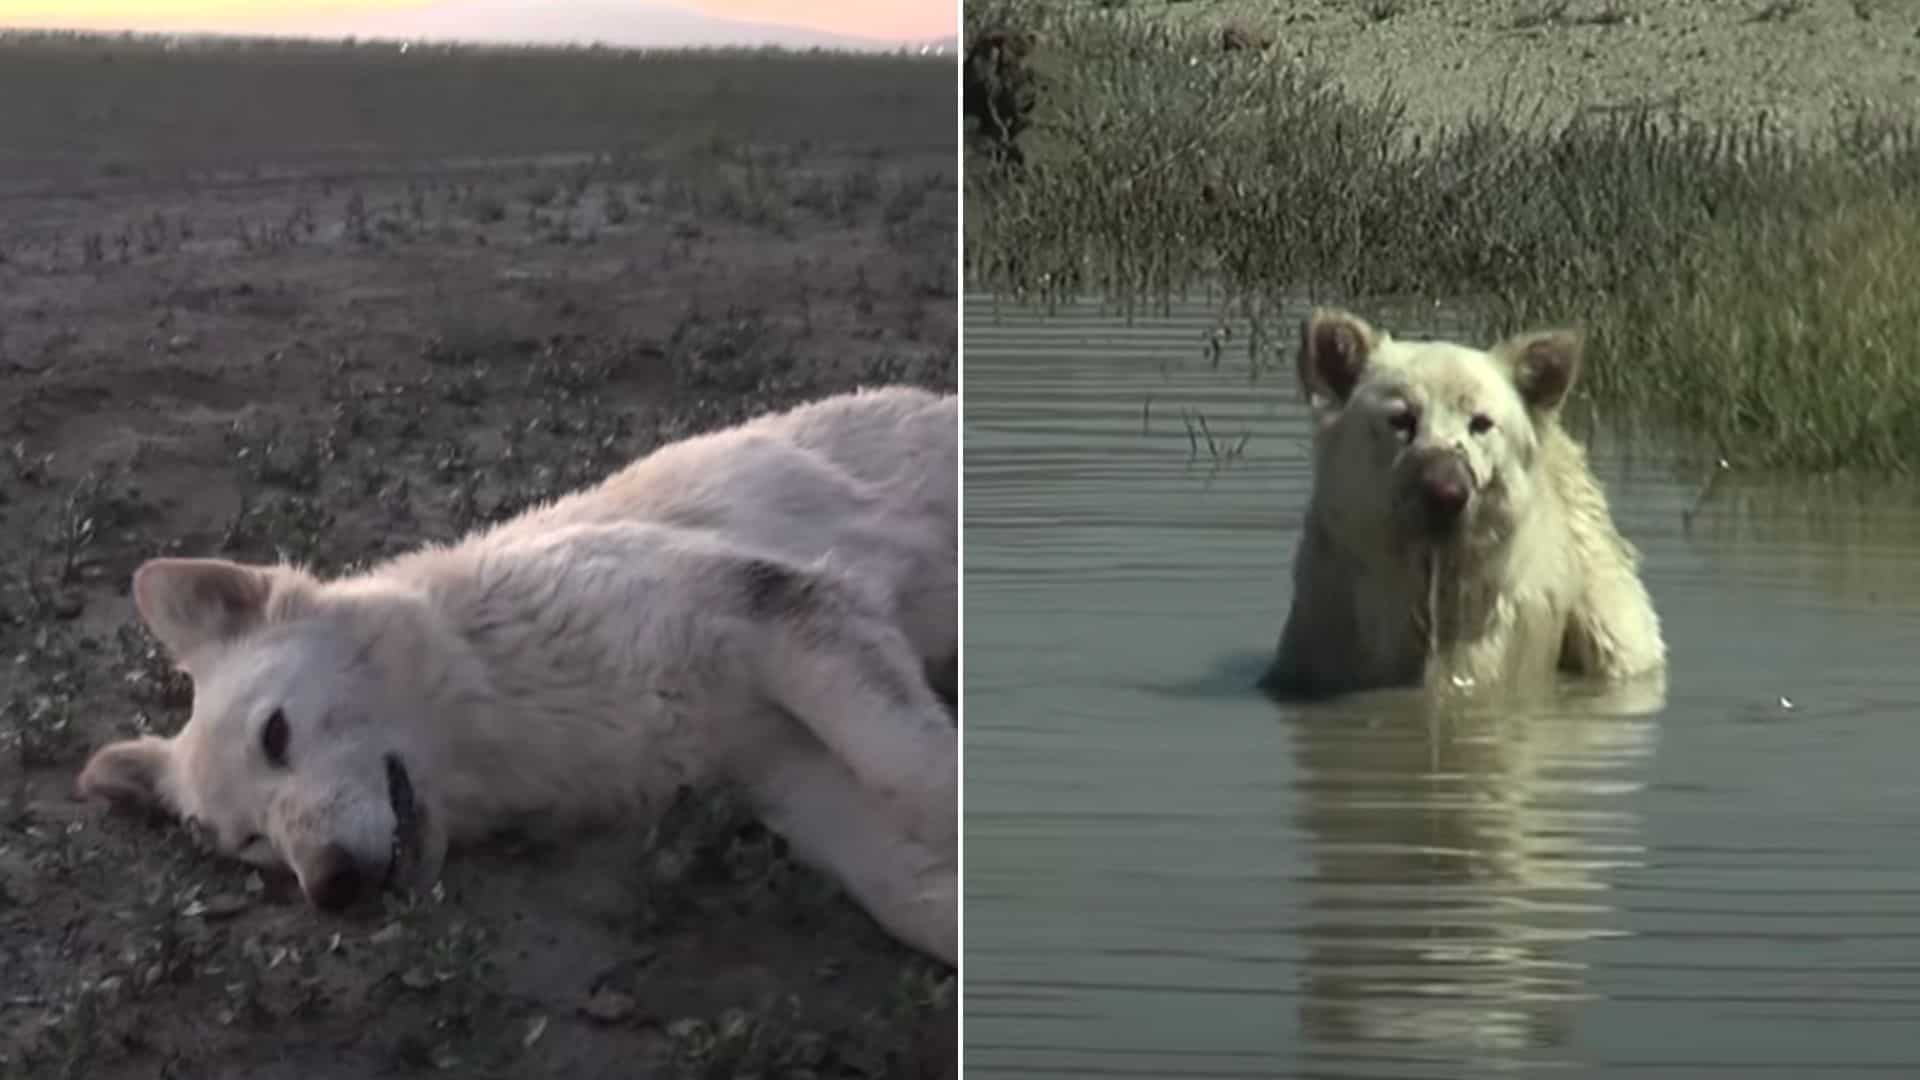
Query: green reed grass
(1786, 343)
(1757, 291)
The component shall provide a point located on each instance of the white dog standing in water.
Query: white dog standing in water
(1456, 535)
(774, 605)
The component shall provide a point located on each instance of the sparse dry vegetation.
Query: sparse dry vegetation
(296, 323)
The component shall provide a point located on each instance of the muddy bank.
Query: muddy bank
(1794, 64)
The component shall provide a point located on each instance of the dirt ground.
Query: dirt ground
(335, 362)
(1795, 62)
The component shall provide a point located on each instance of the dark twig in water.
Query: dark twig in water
(1216, 344)
(1213, 448)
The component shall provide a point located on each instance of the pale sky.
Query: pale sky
(884, 19)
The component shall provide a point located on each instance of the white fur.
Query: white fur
(1532, 577)
(763, 606)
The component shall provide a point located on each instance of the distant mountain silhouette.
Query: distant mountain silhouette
(609, 22)
(625, 23)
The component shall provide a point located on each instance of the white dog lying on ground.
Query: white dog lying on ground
(774, 605)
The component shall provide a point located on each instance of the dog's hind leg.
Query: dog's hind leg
(806, 793)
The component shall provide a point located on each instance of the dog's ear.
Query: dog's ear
(1334, 349)
(194, 604)
(134, 773)
(1544, 365)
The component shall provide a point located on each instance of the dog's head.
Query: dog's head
(302, 751)
(1428, 442)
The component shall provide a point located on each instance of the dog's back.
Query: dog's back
(902, 441)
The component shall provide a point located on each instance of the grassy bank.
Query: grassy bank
(1738, 284)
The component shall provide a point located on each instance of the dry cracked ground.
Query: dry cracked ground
(339, 357)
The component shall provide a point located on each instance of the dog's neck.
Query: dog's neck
(1451, 599)
(519, 679)
(1466, 622)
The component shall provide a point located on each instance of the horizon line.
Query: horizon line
(846, 42)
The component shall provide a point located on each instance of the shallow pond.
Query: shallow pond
(1169, 875)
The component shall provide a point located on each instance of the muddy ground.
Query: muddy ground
(342, 357)
(1795, 63)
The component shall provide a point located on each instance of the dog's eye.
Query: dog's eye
(273, 739)
(1480, 424)
(1403, 422)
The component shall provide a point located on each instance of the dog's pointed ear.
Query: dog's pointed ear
(191, 604)
(1334, 349)
(134, 772)
(1544, 365)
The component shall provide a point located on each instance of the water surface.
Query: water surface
(1169, 875)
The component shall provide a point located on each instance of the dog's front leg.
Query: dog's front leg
(856, 683)
(805, 792)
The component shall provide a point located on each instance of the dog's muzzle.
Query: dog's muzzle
(1445, 488)
(338, 880)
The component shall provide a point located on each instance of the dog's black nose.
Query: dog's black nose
(336, 880)
(1446, 486)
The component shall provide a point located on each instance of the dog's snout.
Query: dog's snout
(336, 880)
(1446, 486)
